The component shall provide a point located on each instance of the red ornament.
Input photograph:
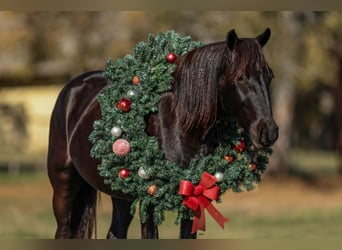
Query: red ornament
(252, 166)
(240, 147)
(171, 57)
(124, 104)
(121, 147)
(135, 80)
(229, 158)
(123, 173)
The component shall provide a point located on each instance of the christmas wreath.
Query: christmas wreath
(133, 162)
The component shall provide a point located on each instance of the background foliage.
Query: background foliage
(42, 51)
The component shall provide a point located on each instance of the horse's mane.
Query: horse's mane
(195, 86)
(197, 76)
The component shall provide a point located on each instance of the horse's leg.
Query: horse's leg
(149, 230)
(185, 230)
(83, 212)
(121, 218)
(63, 193)
(67, 186)
(74, 204)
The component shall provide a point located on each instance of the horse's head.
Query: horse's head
(244, 87)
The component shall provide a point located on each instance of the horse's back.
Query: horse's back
(76, 99)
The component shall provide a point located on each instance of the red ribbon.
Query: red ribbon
(197, 198)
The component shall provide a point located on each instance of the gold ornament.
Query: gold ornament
(229, 158)
(252, 166)
(152, 190)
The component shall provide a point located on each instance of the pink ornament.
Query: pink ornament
(121, 147)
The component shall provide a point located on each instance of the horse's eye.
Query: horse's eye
(241, 79)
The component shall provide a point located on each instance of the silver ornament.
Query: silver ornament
(219, 176)
(116, 131)
(142, 173)
(131, 93)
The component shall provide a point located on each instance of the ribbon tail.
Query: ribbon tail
(199, 220)
(218, 217)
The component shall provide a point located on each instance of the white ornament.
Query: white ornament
(131, 93)
(142, 173)
(219, 176)
(116, 131)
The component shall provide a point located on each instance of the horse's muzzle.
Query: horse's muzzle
(268, 132)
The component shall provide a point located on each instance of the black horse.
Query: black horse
(225, 78)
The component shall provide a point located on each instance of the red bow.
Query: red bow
(199, 197)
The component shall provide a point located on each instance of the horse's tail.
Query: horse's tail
(93, 218)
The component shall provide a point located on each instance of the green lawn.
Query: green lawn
(25, 212)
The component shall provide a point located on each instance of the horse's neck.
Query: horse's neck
(178, 145)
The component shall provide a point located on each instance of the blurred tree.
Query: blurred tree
(66, 44)
(334, 26)
(338, 103)
(59, 41)
(286, 52)
(14, 53)
(13, 128)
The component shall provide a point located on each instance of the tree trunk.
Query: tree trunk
(284, 93)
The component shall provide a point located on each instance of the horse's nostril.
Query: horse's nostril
(268, 134)
(263, 135)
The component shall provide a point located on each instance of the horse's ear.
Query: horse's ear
(264, 37)
(232, 39)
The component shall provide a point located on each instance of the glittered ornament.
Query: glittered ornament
(116, 131)
(229, 158)
(124, 104)
(121, 147)
(142, 173)
(152, 190)
(131, 93)
(171, 57)
(219, 176)
(135, 80)
(123, 173)
(240, 146)
(252, 166)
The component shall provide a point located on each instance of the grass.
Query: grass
(25, 212)
(289, 209)
(313, 162)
